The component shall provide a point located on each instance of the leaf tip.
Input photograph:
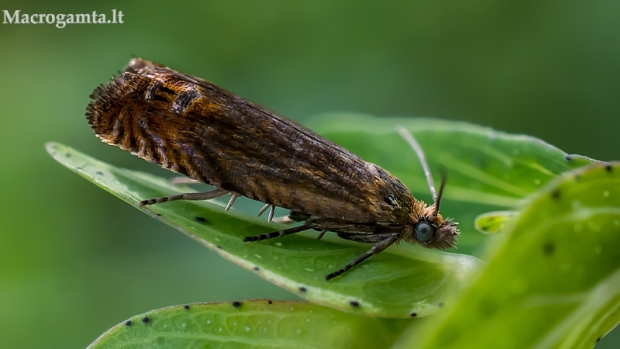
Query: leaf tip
(51, 148)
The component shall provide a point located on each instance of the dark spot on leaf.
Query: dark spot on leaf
(269, 301)
(158, 214)
(555, 194)
(598, 339)
(256, 268)
(67, 155)
(78, 168)
(218, 247)
(201, 219)
(548, 248)
(303, 289)
(608, 167)
(440, 304)
(414, 314)
(186, 307)
(146, 320)
(128, 323)
(236, 304)
(99, 173)
(485, 227)
(568, 157)
(577, 176)
(354, 304)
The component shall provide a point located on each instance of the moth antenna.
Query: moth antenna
(420, 153)
(444, 179)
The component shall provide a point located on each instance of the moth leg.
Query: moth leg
(263, 209)
(376, 248)
(185, 196)
(272, 210)
(276, 234)
(322, 232)
(233, 197)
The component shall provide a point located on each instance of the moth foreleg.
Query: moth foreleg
(185, 196)
(276, 234)
(376, 248)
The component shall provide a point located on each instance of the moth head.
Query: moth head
(440, 233)
(429, 228)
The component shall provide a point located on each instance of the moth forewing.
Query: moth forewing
(195, 128)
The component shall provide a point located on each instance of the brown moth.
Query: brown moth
(192, 127)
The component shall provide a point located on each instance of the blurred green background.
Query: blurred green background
(74, 261)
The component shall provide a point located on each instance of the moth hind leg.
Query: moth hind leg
(185, 196)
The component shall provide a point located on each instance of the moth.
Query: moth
(197, 129)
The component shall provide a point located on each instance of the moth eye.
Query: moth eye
(424, 231)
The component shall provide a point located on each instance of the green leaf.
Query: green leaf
(251, 324)
(552, 280)
(487, 170)
(397, 284)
